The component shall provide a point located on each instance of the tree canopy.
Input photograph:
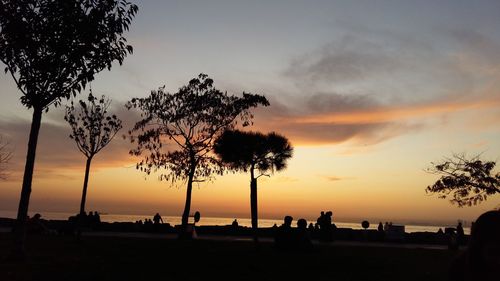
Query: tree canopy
(243, 151)
(253, 151)
(92, 127)
(177, 131)
(53, 48)
(191, 119)
(467, 181)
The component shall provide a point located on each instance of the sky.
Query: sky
(369, 93)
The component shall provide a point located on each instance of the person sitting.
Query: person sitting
(235, 224)
(481, 259)
(283, 238)
(302, 239)
(310, 227)
(36, 226)
(380, 227)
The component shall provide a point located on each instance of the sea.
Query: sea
(221, 221)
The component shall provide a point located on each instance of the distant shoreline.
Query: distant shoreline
(244, 222)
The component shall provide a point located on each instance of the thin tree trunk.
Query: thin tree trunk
(187, 205)
(253, 205)
(85, 183)
(22, 212)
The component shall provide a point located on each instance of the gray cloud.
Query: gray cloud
(350, 59)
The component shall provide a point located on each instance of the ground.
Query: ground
(122, 258)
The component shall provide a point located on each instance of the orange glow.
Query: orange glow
(393, 114)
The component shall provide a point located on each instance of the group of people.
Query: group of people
(325, 226)
(150, 224)
(92, 219)
(288, 238)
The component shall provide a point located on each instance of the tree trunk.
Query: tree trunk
(253, 206)
(22, 212)
(85, 183)
(187, 206)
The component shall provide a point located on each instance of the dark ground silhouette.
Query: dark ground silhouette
(113, 258)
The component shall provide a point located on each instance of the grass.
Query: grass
(109, 258)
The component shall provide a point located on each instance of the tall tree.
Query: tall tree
(190, 119)
(467, 181)
(5, 156)
(254, 152)
(52, 49)
(92, 128)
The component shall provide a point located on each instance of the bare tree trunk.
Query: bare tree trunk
(85, 183)
(22, 212)
(187, 205)
(253, 206)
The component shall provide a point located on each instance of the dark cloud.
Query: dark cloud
(333, 102)
(287, 119)
(349, 59)
(367, 73)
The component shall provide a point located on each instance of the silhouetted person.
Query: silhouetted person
(302, 240)
(283, 239)
(380, 231)
(235, 224)
(325, 227)
(481, 260)
(97, 218)
(460, 233)
(148, 225)
(320, 219)
(36, 226)
(90, 219)
(157, 218)
(310, 227)
(440, 231)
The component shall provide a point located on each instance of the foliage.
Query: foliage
(467, 181)
(245, 151)
(92, 127)
(191, 119)
(5, 156)
(53, 48)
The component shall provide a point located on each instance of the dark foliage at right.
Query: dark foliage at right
(467, 181)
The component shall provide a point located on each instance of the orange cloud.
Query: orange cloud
(390, 114)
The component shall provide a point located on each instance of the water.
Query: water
(218, 221)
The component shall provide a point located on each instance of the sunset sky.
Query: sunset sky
(368, 92)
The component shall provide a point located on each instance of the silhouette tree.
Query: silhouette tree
(52, 49)
(92, 128)
(253, 151)
(191, 119)
(5, 156)
(467, 181)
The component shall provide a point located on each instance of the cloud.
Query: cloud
(56, 153)
(332, 178)
(349, 59)
(370, 86)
